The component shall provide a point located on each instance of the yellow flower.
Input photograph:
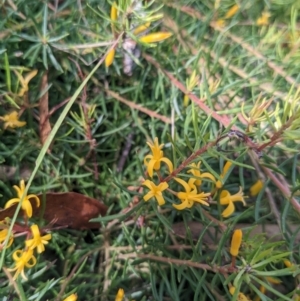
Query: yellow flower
(232, 11)
(226, 167)
(3, 235)
(195, 171)
(190, 195)
(240, 297)
(37, 241)
(155, 37)
(110, 57)
(11, 120)
(26, 205)
(155, 191)
(227, 199)
(72, 297)
(256, 188)
(120, 295)
(236, 242)
(153, 161)
(23, 259)
(263, 19)
(25, 80)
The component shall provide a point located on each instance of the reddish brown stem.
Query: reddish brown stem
(277, 135)
(187, 161)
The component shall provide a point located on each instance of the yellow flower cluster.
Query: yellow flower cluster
(146, 39)
(24, 258)
(191, 192)
(11, 120)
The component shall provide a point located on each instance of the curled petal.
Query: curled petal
(168, 162)
(147, 159)
(11, 202)
(183, 205)
(229, 210)
(31, 262)
(225, 197)
(150, 167)
(17, 255)
(184, 184)
(208, 175)
(148, 184)
(33, 196)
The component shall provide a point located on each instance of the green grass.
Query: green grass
(97, 113)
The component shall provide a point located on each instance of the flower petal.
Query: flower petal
(150, 167)
(225, 197)
(168, 162)
(11, 202)
(229, 210)
(33, 196)
(26, 206)
(148, 196)
(208, 175)
(160, 199)
(184, 184)
(146, 162)
(182, 206)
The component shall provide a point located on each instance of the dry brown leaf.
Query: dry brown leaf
(69, 209)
